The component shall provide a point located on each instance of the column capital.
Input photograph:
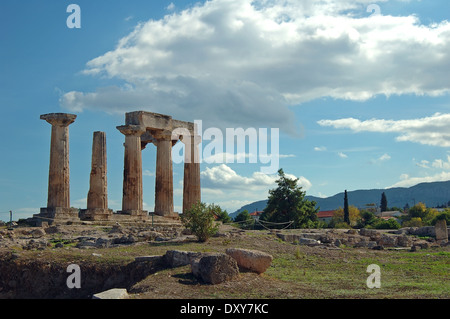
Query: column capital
(59, 119)
(134, 130)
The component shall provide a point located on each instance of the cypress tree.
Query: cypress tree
(346, 211)
(383, 203)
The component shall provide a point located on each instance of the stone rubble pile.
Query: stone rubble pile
(413, 237)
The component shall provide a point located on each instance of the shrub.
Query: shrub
(200, 220)
(444, 215)
(386, 224)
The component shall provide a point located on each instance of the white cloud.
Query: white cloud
(245, 62)
(342, 155)
(320, 148)
(147, 172)
(442, 164)
(423, 164)
(223, 186)
(433, 130)
(407, 181)
(384, 157)
(171, 6)
(240, 157)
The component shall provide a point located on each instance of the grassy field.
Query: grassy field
(296, 272)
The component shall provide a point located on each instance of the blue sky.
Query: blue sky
(361, 101)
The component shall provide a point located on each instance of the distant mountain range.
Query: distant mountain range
(431, 194)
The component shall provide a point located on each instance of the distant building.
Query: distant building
(394, 213)
(255, 215)
(325, 216)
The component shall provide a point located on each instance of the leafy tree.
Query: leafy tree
(200, 220)
(244, 219)
(383, 203)
(413, 222)
(366, 218)
(444, 215)
(419, 215)
(353, 215)
(222, 215)
(346, 211)
(287, 203)
(386, 224)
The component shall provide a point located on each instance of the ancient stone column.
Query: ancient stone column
(58, 201)
(97, 199)
(132, 201)
(191, 181)
(164, 174)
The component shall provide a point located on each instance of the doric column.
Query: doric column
(97, 199)
(164, 174)
(98, 187)
(191, 181)
(59, 172)
(132, 201)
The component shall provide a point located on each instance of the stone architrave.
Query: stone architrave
(58, 201)
(441, 231)
(97, 199)
(191, 180)
(132, 200)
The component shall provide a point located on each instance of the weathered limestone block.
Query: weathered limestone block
(441, 231)
(404, 241)
(178, 258)
(215, 268)
(253, 260)
(115, 293)
(388, 241)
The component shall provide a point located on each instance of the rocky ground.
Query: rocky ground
(33, 261)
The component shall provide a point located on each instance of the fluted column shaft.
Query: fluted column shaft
(191, 180)
(98, 190)
(132, 174)
(59, 171)
(164, 174)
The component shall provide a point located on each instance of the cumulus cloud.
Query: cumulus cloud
(433, 130)
(342, 155)
(408, 181)
(223, 177)
(245, 62)
(224, 186)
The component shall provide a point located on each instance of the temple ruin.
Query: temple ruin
(140, 129)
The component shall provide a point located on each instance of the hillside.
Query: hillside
(431, 194)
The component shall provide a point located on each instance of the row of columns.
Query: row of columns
(132, 202)
(58, 202)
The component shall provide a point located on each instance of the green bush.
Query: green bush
(342, 225)
(200, 220)
(444, 215)
(386, 224)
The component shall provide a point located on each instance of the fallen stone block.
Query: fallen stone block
(112, 294)
(178, 258)
(215, 268)
(252, 260)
